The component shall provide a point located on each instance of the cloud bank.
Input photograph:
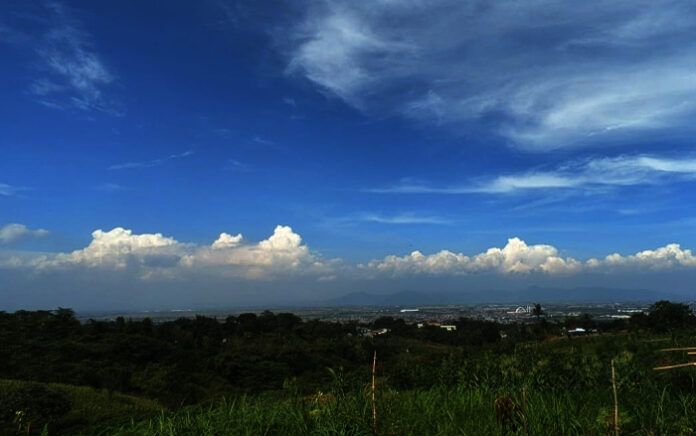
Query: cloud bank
(123, 269)
(283, 255)
(153, 255)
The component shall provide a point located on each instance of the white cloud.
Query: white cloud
(515, 257)
(262, 141)
(282, 252)
(151, 163)
(119, 248)
(283, 255)
(625, 170)
(110, 187)
(667, 257)
(569, 76)
(406, 218)
(153, 255)
(227, 241)
(76, 74)
(13, 231)
(9, 190)
(6, 190)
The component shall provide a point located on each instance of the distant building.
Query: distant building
(369, 333)
(448, 327)
(521, 310)
(579, 331)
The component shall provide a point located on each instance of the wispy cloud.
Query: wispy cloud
(75, 75)
(585, 174)
(110, 187)
(9, 190)
(13, 232)
(233, 164)
(223, 132)
(408, 218)
(403, 219)
(262, 141)
(290, 101)
(568, 77)
(150, 163)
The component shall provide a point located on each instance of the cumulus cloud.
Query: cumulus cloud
(565, 77)
(282, 252)
(515, 257)
(284, 256)
(13, 231)
(153, 255)
(623, 170)
(227, 241)
(668, 257)
(119, 248)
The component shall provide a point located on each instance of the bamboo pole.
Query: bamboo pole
(681, 365)
(679, 349)
(524, 410)
(616, 399)
(374, 404)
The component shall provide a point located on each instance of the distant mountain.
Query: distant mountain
(535, 294)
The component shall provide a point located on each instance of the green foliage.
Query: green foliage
(65, 409)
(32, 403)
(274, 373)
(664, 316)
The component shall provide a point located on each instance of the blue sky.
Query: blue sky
(366, 131)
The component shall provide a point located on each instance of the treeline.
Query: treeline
(195, 359)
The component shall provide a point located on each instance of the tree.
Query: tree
(538, 311)
(667, 316)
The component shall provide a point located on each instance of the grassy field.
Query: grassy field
(86, 411)
(567, 386)
(440, 411)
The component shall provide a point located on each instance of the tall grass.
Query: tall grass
(568, 385)
(437, 411)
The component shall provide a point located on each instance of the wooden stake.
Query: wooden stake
(681, 365)
(374, 404)
(524, 410)
(616, 399)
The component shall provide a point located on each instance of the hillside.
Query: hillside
(277, 374)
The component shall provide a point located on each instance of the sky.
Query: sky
(227, 153)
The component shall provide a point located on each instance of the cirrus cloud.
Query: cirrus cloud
(567, 76)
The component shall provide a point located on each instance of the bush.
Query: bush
(34, 404)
